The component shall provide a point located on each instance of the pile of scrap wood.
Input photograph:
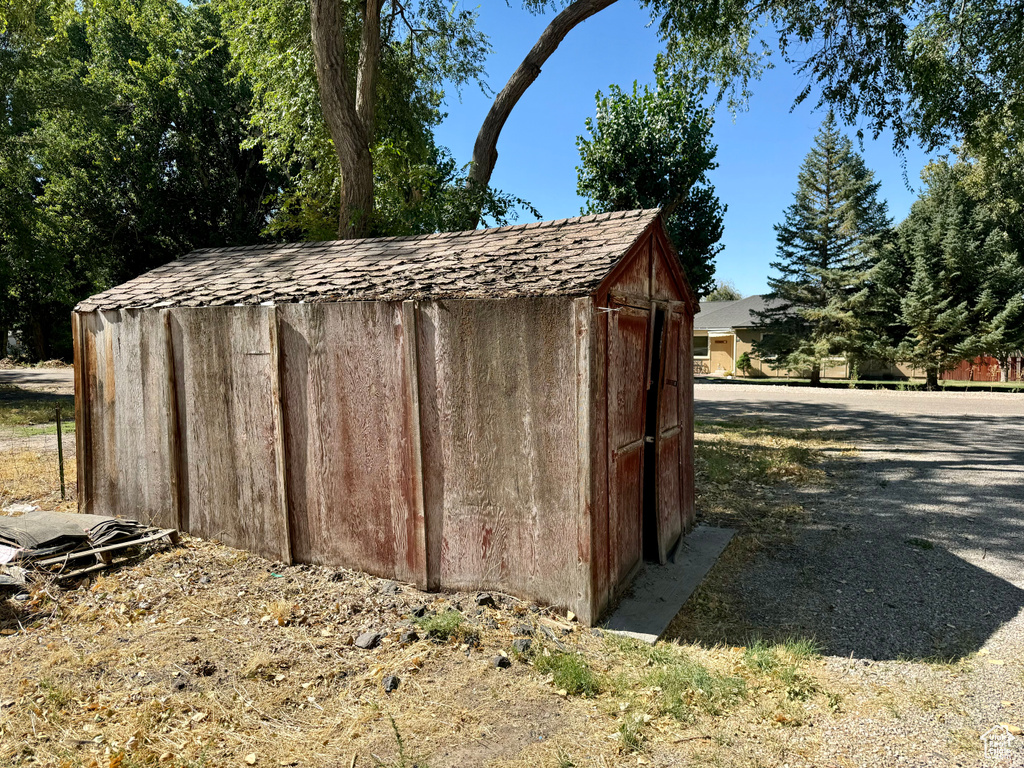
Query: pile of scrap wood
(67, 545)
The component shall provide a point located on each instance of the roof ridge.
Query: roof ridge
(550, 223)
(560, 257)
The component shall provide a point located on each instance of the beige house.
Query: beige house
(724, 330)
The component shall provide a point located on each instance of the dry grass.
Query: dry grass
(153, 663)
(32, 476)
(743, 471)
(29, 470)
(206, 656)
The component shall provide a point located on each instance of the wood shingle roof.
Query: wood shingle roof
(565, 257)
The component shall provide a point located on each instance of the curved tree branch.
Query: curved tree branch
(485, 151)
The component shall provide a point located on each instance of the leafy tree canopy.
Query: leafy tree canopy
(931, 70)
(724, 290)
(652, 148)
(123, 150)
(425, 46)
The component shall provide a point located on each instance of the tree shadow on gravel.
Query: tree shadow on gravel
(908, 555)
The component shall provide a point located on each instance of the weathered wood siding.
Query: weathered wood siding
(349, 438)
(500, 447)
(121, 373)
(224, 371)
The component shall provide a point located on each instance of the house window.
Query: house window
(700, 346)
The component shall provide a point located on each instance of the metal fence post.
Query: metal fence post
(60, 454)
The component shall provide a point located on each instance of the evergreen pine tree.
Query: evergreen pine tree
(946, 243)
(825, 247)
(1002, 302)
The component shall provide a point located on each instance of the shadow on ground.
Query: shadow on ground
(915, 552)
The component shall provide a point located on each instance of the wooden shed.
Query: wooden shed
(506, 409)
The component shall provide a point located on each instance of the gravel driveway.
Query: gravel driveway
(915, 553)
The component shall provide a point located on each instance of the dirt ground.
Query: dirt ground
(202, 655)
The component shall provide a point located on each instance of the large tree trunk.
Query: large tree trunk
(932, 380)
(816, 375)
(3, 341)
(349, 112)
(485, 151)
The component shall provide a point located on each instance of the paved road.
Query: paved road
(60, 381)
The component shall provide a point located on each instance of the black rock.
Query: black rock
(418, 612)
(391, 683)
(484, 600)
(338, 576)
(368, 640)
(502, 662)
(522, 644)
(408, 637)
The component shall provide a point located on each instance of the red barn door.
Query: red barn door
(628, 370)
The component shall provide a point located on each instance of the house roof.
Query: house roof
(565, 257)
(722, 315)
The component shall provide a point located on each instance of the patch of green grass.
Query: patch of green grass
(781, 661)
(688, 689)
(569, 672)
(631, 734)
(448, 626)
(684, 687)
(33, 430)
(57, 696)
(22, 407)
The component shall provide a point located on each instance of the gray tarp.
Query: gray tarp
(41, 533)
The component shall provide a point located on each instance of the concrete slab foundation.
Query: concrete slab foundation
(659, 591)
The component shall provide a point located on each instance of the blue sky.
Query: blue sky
(759, 153)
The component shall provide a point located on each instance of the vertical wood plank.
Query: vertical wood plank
(584, 310)
(410, 336)
(599, 457)
(83, 442)
(174, 463)
(228, 426)
(688, 508)
(668, 435)
(276, 362)
(348, 442)
(628, 378)
(501, 453)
